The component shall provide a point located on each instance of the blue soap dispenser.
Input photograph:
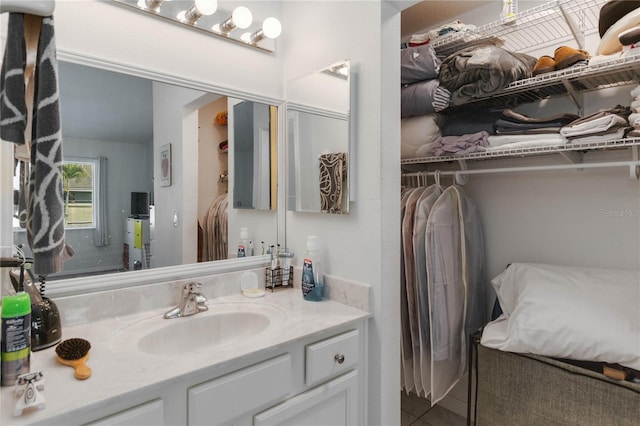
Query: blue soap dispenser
(312, 277)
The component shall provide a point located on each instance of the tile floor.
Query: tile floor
(417, 411)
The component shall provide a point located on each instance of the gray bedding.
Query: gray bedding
(418, 63)
(480, 71)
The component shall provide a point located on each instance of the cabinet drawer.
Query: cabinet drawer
(332, 356)
(150, 413)
(221, 400)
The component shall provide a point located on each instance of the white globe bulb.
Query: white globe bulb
(207, 7)
(242, 17)
(271, 27)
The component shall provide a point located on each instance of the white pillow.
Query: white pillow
(586, 314)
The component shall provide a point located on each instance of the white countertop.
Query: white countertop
(119, 367)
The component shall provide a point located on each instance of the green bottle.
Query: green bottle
(15, 349)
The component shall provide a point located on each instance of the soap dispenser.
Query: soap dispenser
(312, 277)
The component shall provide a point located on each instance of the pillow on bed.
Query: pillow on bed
(418, 135)
(587, 314)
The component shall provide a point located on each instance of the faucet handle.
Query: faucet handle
(192, 286)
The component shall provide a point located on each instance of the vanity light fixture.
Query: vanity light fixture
(240, 18)
(205, 16)
(150, 5)
(271, 28)
(198, 9)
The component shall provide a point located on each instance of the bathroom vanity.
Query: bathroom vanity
(246, 361)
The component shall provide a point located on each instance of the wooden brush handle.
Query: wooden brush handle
(82, 370)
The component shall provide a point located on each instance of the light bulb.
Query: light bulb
(206, 7)
(271, 27)
(197, 10)
(242, 17)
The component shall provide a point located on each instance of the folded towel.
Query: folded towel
(635, 93)
(635, 106)
(524, 141)
(333, 172)
(597, 122)
(634, 120)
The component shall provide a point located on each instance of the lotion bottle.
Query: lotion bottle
(312, 277)
(243, 244)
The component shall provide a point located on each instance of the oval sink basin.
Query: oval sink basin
(222, 324)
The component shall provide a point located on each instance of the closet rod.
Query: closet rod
(633, 165)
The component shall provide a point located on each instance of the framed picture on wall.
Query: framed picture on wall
(165, 165)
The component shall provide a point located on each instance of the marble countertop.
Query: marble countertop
(118, 366)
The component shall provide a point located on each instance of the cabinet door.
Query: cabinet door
(221, 400)
(333, 403)
(150, 413)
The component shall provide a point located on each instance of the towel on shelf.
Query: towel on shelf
(608, 120)
(333, 173)
(45, 205)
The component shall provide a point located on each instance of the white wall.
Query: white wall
(364, 245)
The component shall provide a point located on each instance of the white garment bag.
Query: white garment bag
(455, 284)
(423, 208)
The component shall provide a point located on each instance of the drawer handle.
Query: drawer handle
(339, 358)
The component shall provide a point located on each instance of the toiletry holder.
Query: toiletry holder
(275, 280)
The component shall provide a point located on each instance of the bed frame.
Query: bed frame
(516, 389)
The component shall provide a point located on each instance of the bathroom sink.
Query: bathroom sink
(222, 324)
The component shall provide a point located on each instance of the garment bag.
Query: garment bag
(453, 252)
(406, 346)
(423, 208)
(409, 275)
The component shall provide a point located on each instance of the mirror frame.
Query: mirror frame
(94, 283)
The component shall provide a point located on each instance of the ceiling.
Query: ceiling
(428, 13)
(102, 105)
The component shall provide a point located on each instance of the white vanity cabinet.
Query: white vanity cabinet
(318, 381)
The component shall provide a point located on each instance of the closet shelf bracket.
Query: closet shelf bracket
(634, 169)
(576, 97)
(572, 156)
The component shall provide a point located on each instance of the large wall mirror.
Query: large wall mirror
(149, 171)
(318, 140)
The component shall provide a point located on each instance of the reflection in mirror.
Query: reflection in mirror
(121, 214)
(318, 139)
(252, 141)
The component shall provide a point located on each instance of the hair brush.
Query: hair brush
(74, 353)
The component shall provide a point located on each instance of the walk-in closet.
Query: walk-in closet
(520, 212)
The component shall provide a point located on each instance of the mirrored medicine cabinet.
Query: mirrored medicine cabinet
(318, 138)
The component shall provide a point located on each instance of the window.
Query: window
(79, 179)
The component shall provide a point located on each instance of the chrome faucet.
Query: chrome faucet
(191, 302)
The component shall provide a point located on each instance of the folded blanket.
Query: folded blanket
(479, 71)
(418, 63)
(606, 136)
(516, 117)
(524, 141)
(417, 98)
(464, 144)
(599, 121)
(469, 121)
